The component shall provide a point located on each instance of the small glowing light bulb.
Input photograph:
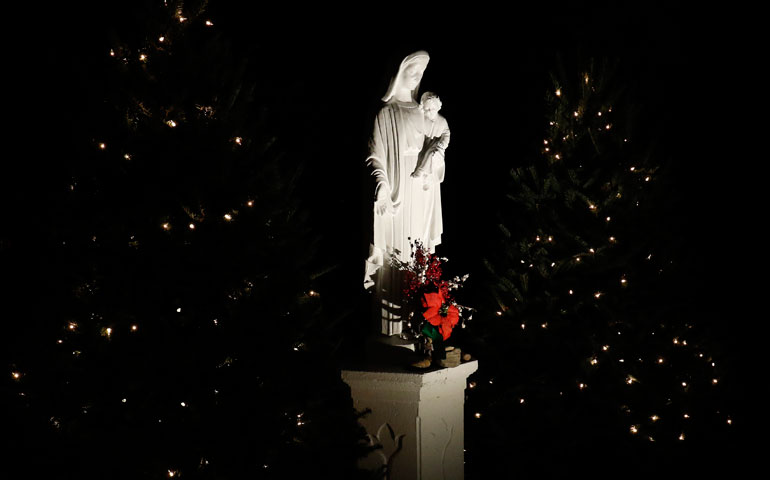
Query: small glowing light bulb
(499, 313)
(599, 114)
(577, 259)
(598, 294)
(123, 400)
(16, 375)
(127, 156)
(171, 123)
(182, 19)
(523, 326)
(250, 203)
(521, 401)
(537, 238)
(646, 179)
(586, 79)
(161, 39)
(545, 142)
(102, 146)
(681, 437)
(592, 250)
(660, 360)
(183, 404)
(684, 384)
(623, 281)
(633, 168)
(209, 24)
(59, 341)
(192, 226)
(112, 52)
(594, 361)
(714, 381)
(166, 226)
(634, 429)
(576, 114)
(179, 310)
(134, 328)
(608, 219)
(143, 57)
(612, 239)
(729, 421)
(557, 156)
(608, 126)
(592, 206)
(605, 347)
(553, 264)
(676, 341)
(571, 292)
(477, 415)
(171, 473)
(544, 325)
(558, 94)
(582, 385)
(228, 217)
(73, 325)
(471, 384)
(108, 331)
(239, 140)
(686, 415)
(654, 418)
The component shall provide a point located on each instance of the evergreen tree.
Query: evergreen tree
(591, 347)
(177, 328)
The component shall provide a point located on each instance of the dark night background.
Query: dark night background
(323, 74)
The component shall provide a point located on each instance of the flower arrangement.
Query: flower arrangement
(429, 301)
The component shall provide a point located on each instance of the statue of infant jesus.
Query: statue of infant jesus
(430, 164)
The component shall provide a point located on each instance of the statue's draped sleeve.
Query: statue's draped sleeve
(384, 152)
(383, 165)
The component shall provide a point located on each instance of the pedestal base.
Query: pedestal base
(417, 418)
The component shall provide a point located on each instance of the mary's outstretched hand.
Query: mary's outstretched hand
(383, 203)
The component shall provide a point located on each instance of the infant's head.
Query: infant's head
(430, 104)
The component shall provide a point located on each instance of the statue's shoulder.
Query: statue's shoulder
(388, 108)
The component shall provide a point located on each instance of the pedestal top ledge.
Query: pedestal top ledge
(408, 378)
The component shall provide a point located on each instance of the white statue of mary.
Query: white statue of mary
(405, 208)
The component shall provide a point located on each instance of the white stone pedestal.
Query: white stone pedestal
(417, 417)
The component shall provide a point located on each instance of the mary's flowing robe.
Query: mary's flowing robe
(400, 134)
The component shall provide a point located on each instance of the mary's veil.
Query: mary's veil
(418, 56)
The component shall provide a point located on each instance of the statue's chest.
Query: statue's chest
(415, 131)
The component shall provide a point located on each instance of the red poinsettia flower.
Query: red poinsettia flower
(440, 314)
